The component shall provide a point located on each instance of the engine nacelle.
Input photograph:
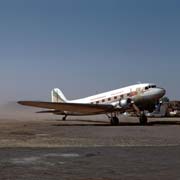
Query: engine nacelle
(125, 103)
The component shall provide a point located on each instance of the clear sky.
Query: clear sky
(87, 46)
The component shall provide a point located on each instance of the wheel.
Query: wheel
(114, 121)
(143, 119)
(64, 118)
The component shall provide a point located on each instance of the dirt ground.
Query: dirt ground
(89, 149)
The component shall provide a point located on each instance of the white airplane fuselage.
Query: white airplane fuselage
(141, 94)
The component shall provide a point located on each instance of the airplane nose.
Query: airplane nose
(153, 94)
(161, 92)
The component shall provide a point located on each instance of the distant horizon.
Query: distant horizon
(83, 47)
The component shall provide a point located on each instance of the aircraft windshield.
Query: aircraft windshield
(151, 86)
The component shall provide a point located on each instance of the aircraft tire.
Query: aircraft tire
(143, 119)
(114, 121)
(64, 118)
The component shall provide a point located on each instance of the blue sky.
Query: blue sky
(87, 46)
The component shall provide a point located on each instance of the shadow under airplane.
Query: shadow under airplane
(105, 123)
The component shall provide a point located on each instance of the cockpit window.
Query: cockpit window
(151, 86)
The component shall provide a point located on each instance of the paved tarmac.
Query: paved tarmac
(89, 150)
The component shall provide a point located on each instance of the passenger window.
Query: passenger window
(115, 97)
(103, 100)
(109, 99)
(97, 102)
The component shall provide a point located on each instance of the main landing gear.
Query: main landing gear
(143, 119)
(64, 118)
(141, 114)
(113, 119)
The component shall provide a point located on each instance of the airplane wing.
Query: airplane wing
(72, 107)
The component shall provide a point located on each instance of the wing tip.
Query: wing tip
(22, 102)
(19, 102)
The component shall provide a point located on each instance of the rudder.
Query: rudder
(57, 96)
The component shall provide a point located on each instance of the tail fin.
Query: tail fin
(57, 96)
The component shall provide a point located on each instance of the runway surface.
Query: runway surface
(89, 150)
